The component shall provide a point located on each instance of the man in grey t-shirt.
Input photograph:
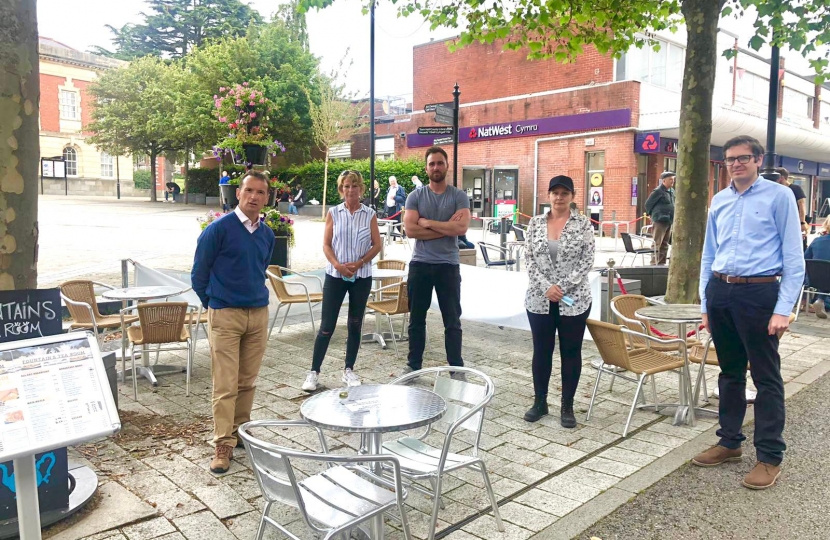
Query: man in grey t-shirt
(435, 216)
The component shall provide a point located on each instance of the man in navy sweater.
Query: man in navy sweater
(228, 274)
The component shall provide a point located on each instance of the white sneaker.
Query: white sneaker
(350, 378)
(310, 384)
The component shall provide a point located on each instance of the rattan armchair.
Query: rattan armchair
(625, 307)
(160, 324)
(278, 283)
(393, 306)
(610, 340)
(390, 264)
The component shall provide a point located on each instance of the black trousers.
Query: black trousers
(446, 280)
(571, 333)
(334, 292)
(739, 315)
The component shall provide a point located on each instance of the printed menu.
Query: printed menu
(52, 394)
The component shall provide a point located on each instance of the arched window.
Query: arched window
(106, 166)
(70, 156)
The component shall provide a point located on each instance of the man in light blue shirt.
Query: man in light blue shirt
(753, 237)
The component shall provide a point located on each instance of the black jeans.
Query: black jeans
(334, 291)
(739, 315)
(571, 333)
(446, 280)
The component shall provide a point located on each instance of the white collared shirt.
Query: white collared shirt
(250, 226)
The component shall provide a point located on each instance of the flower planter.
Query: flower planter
(272, 197)
(228, 193)
(255, 154)
(281, 251)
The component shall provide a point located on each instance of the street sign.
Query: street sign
(435, 130)
(446, 120)
(430, 107)
(443, 140)
(444, 110)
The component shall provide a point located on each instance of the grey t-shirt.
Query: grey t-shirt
(441, 207)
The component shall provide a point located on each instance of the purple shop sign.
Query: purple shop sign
(531, 128)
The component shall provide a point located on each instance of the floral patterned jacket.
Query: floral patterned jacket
(574, 260)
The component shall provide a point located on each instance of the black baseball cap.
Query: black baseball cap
(561, 180)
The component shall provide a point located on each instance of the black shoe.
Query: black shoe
(539, 409)
(567, 418)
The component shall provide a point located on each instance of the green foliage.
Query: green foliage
(281, 225)
(206, 181)
(294, 19)
(172, 28)
(142, 179)
(311, 176)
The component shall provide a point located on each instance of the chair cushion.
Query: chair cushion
(136, 336)
(417, 457)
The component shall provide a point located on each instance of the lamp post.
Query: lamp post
(372, 102)
(768, 170)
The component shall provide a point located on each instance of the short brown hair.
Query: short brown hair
(259, 175)
(436, 150)
(345, 176)
(752, 142)
(784, 173)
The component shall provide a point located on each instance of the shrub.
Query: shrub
(311, 176)
(142, 179)
(206, 181)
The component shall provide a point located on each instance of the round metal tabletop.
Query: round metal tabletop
(142, 293)
(382, 273)
(374, 408)
(671, 313)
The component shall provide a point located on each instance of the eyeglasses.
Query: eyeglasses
(743, 160)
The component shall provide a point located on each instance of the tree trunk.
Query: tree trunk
(692, 186)
(186, 170)
(325, 181)
(19, 144)
(153, 157)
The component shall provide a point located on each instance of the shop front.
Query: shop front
(493, 191)
(801, 173)
(822, 200)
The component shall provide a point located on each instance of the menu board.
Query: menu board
(53, 393)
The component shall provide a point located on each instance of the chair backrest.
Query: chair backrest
(390, 264)
(520, 234)
(625, 307)
(818, 274)
(80, 290)
(610, 342)
(403, 298)
(629, 245)
(276, 284)
(484, 253)
(162, 322)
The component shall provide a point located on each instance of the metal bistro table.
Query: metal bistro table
(379, 336)
(372, 410)
(143, 294)
(387, 232)
(681, 315)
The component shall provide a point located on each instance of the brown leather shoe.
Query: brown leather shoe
(762, 476)
(221, 461)
(717, 455)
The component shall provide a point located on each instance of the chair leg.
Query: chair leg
(654, 392)
(432, 483)
(274, 322)
(613, 375)
(261, 530)
(135, 375)
(436, 503)
(407, 535)
(798, 304)
(313, 328)
(496, 514)
(594, 394)
(284, 317)
(123, 354)
(189, 368)
(392, 330)
(634, 403)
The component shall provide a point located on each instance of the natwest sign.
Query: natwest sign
(497, 130)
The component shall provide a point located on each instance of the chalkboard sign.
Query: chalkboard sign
(28, 314)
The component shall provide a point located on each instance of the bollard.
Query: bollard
(503, 235)
(611, 276)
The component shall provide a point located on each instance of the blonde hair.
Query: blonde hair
(826, 225)
(346, 176)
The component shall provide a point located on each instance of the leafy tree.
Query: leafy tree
(172, 28)
(136, 109)
(561, 29)
(334, 120)
(293, 17)
(19, 144)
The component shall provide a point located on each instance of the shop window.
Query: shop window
(662, 67)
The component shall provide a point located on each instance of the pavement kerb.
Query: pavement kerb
(579, 520)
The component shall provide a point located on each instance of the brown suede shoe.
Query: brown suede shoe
(221, 461)
(762, 476)
(717, 455)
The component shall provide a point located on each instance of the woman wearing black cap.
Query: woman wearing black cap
(559, 254)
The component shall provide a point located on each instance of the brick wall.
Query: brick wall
(488, 71)
(49, 102)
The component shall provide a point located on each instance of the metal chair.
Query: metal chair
(278, 283)
(635, 252)
(398, 305)
(818, 279)
(611, 343)
(332, 502)
(160, 324)
(390, 264)
(466, 403)
(79, 297)
(506, 263)
(519, 231)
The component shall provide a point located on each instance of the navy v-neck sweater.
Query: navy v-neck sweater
(230, 263)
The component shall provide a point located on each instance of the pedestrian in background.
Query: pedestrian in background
(559, 254)
(820, 249)
(395, 199)
(660, 208)
(800, 201)
(350, 242)
(752, 239)
(417, 182)
(232, 255)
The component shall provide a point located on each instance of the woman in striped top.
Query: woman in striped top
(350, 242)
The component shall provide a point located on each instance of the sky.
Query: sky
(332, 31)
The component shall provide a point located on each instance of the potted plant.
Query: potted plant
(276, 191)
(244, 109)
(208, 218)
(283, 227)
(228, 192)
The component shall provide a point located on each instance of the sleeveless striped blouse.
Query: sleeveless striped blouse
(352, 237)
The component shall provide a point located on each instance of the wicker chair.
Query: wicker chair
(160, 324)
(278, 283)
(390, 264)
(624, 308)
(393, 306)
(611, 342)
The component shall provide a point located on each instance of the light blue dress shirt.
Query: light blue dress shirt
(755, 233)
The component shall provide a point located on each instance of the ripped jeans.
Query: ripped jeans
(334, 292)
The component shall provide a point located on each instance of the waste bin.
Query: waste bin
(632, 286)
(112, 376)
